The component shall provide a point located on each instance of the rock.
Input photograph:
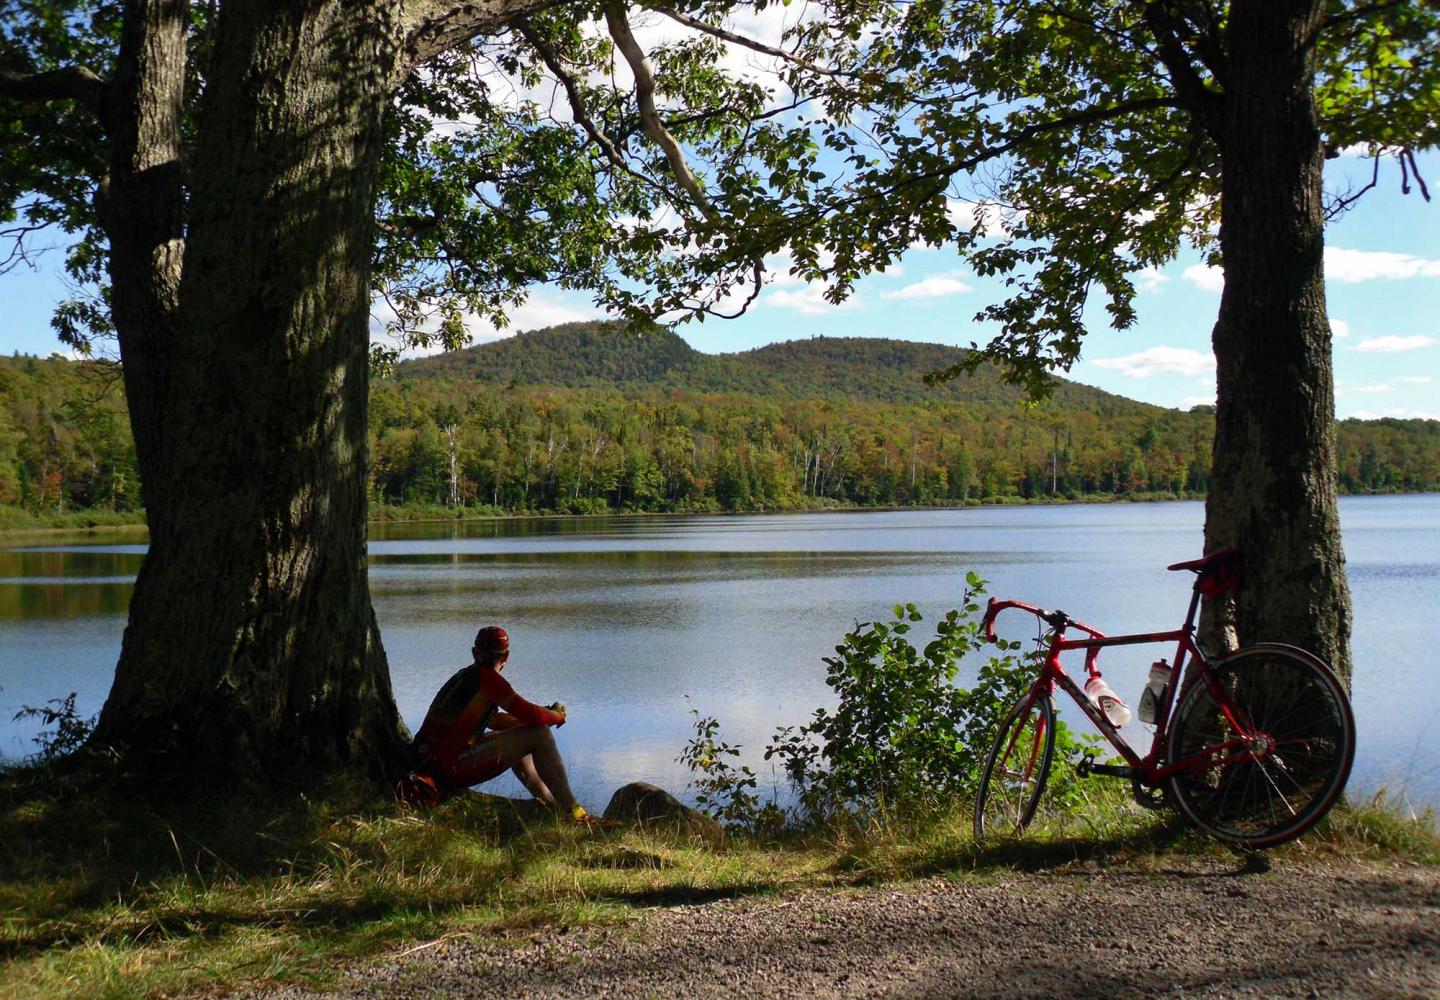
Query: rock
(653, 808)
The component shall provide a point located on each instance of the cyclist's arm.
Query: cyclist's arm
(504, 720)
(527, 713)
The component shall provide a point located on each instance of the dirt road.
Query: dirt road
(1196, 929)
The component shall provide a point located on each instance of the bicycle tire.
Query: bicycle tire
(1295, 700)
(1016, 768)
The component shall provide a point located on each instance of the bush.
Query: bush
(65, 730)
(903, 736)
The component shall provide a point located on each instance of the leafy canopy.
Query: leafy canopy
(1065, 145)
(1061, 146)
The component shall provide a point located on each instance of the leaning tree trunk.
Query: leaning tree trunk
(1273, 489)
(252, 651)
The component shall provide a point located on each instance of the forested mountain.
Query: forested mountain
(585, 417)
(600, 354)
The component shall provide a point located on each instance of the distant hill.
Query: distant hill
(596, 355)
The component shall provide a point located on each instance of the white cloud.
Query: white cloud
(1394, 345)
(1395, 411)
(1365, 150)
(988, 217)
(1339, 329)
(1415, 379)
(934, 287)
(1160, 361)
(1341, 265)
(1353, 266)
(1369, 389)
(809, 300)
(537, 312)
(1209, 279)
(780, 268)
(1150, 279)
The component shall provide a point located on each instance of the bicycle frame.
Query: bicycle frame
(1190, 666)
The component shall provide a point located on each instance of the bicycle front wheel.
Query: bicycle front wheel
(1015, 772)
(1293, 763)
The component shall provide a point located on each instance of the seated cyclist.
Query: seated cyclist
(477, 726)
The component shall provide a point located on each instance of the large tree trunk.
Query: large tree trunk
(252, 650)
(1273, 489)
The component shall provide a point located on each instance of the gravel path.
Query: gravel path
(1302, 930)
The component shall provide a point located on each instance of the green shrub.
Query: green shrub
(64, 730)
(903, 737)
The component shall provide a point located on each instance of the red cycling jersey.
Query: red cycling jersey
(453, 741)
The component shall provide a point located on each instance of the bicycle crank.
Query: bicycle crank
(1087, 766)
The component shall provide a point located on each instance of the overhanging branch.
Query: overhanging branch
(431, 27)
(1197, 98)
(620, 33)
(749, 43)
(552, 60)
(1028, 134)
(73, 83)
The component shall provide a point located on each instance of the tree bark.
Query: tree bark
(252, 649)
(1273, 491)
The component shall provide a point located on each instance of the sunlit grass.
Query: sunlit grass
(104, 896)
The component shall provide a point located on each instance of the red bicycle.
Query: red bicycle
(1253, 747)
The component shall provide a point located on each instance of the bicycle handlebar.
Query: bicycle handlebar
(1058, 620)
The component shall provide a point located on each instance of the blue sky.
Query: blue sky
(1383, 287)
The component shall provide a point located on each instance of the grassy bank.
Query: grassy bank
(110, 897)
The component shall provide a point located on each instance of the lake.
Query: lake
(631, 620)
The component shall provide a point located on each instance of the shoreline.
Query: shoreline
(433, 515)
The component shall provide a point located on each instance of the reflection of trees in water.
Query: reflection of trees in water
(69, 564)
(62, 599)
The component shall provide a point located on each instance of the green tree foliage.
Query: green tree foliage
(803, 424)
(1067, 145)
(64, 437)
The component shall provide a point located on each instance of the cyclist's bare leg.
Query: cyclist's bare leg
(525, 770)
(532, 755)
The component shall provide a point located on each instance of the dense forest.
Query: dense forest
(587, 418)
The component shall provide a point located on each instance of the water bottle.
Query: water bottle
(1107, 701)
(1154, 691)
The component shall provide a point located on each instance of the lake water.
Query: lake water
(626, 618)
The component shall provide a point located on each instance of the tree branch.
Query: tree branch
(572, 93)
(408, 227)
(1087, 117)
(1199, 99)
(73, 83)
(1342, 203)
(430, 27)
(624, 39)
(749, 43)
(1356, 13)
(757, 282)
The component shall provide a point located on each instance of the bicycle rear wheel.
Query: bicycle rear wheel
(1017, 768)
(1294, 769)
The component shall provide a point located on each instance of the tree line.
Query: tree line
(65, 447)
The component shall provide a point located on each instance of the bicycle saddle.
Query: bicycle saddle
(1208, 563)
(1219, 571)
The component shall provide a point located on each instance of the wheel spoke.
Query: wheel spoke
(1272, 795)
(1015, 774)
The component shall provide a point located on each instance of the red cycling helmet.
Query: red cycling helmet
(492, 641)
